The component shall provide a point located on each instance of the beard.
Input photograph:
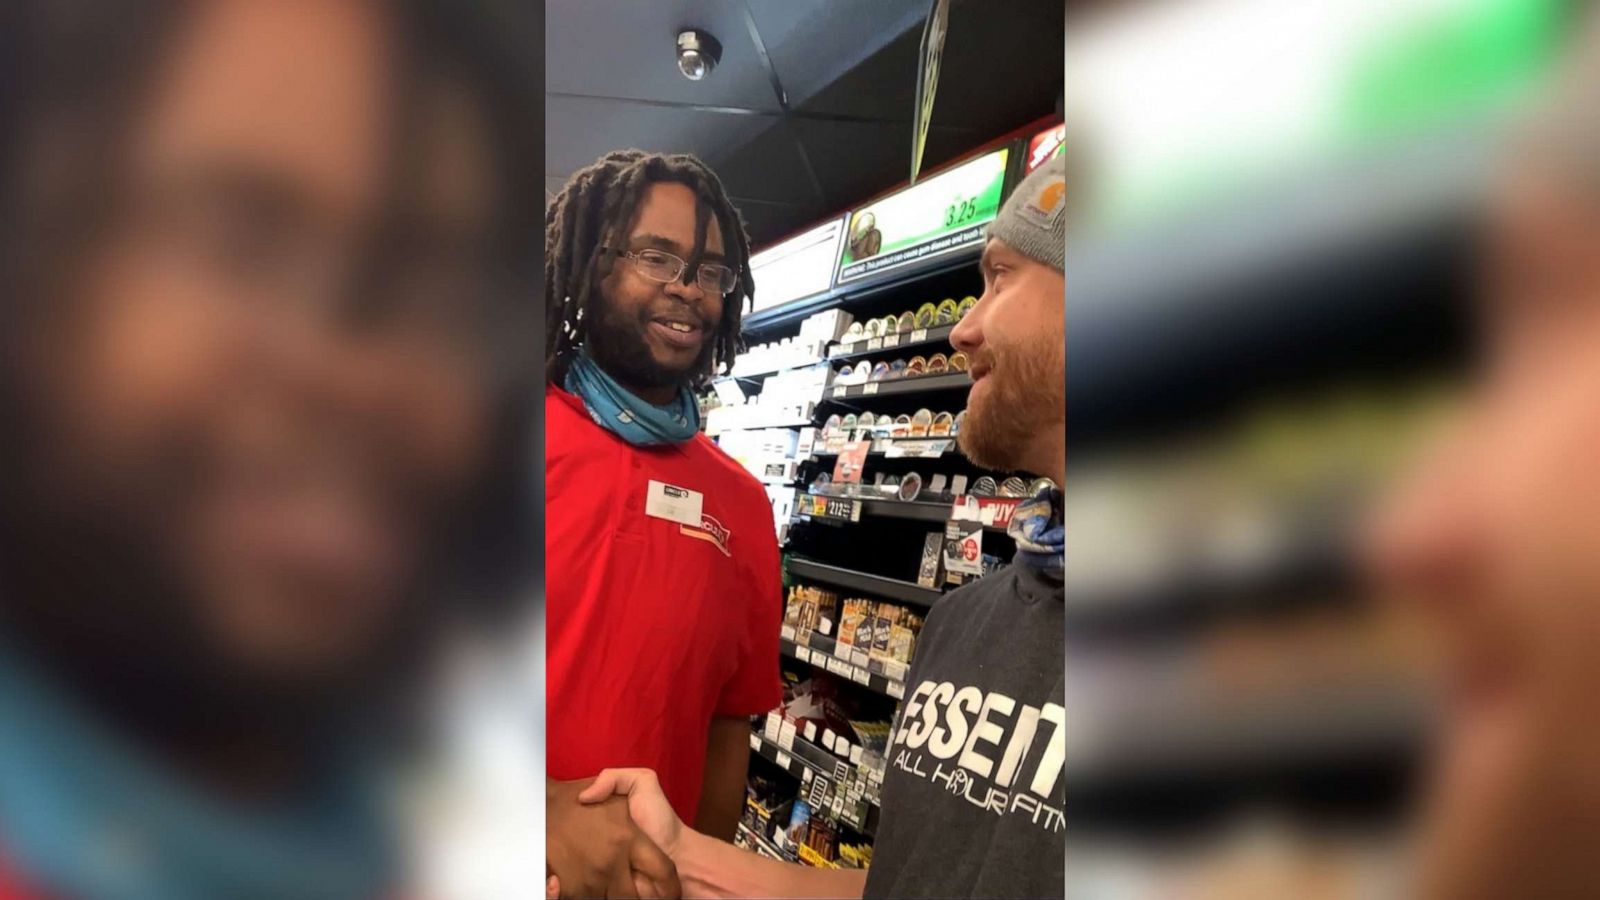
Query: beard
(616, 341)
(1025, 396)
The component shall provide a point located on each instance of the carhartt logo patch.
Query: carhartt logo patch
(1044, 205)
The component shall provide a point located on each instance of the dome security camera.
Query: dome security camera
(698, 54)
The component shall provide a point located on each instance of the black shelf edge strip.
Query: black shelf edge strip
(891, 588)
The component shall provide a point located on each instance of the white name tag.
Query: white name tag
(675, 504)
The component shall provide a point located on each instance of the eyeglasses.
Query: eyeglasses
(659, 265)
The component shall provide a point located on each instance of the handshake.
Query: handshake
(614, 835)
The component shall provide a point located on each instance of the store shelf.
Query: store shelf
(784, 366)
(760, 844)
(954, 450)
(918, 338)
(802, 755)
(910, 510)
(876, 285)
(849, 295)
(791, 313)
(877, 585)
(827, 654)
(920, 385)
(918, 510)
(758, 426)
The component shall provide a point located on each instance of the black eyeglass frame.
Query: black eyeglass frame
(679, 266)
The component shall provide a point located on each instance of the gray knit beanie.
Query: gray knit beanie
(1033, 220)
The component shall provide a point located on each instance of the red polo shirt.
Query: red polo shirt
(654, 626)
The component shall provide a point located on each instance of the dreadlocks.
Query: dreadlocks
(594, 211)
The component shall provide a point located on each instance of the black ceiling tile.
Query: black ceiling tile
(627, 48)
(882, 87)
(813, 43)
(1002, 60)
(579, 131)
(855, 160)
(767, 224)
(769, 167)
(973, 90)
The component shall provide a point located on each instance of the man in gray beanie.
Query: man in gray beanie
(973, 794)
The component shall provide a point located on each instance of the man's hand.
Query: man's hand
(645, 802)
(595, 850)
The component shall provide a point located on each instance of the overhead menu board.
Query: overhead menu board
(800, 267)
(1044, 145)
(939, 216)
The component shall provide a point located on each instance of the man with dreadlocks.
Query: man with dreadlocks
(974, 790)
(663, 581)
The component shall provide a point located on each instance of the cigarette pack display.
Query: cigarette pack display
(827, 603)
(888, 616)
(815, 604)
(866, 629)
(851, 620)
(822, 838)
(932, 547)
(808, 612)
(795, 687)
(767, 805)
(791, 609)
(855, 856)
(901, 642)
(799, 823)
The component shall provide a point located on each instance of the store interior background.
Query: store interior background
(809, 116)
(1269, 305)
